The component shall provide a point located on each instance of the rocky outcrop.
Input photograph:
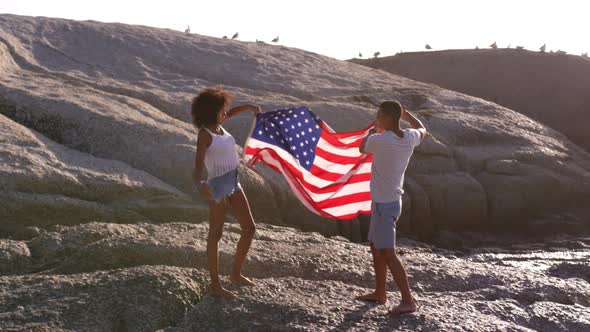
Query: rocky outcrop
(551, 88)
(100, 276)
(15, 256)
(145, 298)
(120, 94)
(45, 183)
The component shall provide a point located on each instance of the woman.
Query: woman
(217, 153)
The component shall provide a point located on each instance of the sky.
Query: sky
(342, 29)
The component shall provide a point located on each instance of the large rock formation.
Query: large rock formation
(145, 277)
(45, 183)
(551, 88)
(112, 100)
(145, 298)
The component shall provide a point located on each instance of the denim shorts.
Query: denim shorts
(224, 185)
(383, 221)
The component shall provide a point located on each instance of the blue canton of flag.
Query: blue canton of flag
(295, 130)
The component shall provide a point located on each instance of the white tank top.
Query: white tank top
(221, 156)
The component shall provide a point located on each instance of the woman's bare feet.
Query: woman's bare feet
(373, 297)
(403, 308)
(218, 291)
(241, 280)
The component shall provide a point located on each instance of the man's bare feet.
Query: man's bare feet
(403, 308)
(218, 291)
(241, 281)
(373, 297)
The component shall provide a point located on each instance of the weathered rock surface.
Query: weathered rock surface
(122, 93)
(45, 183)
(111, 277)
(551, 88)
(138, 299)
(14, 256)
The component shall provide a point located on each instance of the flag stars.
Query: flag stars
(292, 129)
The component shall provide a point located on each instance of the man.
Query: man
(391, 149)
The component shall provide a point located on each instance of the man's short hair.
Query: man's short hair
(391, 108)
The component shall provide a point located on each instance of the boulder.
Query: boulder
(550, 88)
(145, 298)
(15, 257)
(122, 93)
(44, 183)
(101, 276)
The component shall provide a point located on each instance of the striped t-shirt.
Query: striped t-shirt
(391, 155)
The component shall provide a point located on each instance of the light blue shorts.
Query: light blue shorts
(224, 185)
(383, 220)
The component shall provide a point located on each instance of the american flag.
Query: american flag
(324, 169)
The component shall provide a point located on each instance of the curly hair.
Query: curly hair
(208, 104)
